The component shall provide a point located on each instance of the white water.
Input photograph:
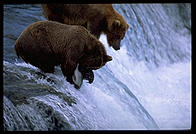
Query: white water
(165, 92)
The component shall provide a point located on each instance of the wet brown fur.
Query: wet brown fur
(46, 44)
(97, 18)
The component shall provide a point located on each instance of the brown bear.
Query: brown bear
(46, 44)
(97, 18)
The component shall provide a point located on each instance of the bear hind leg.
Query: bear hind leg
(47, 68)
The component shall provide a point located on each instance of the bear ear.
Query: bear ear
(107, 58)
(127, 26)
(116, 24)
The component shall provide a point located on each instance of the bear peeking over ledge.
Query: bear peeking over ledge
(46, 44)
(97, 18)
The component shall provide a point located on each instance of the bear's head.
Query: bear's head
(94, 62)
(116, 30)
(95, 56)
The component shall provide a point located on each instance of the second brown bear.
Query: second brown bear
(46, 44)
(97, 18)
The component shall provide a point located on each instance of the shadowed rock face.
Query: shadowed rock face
(20, 91)
(21, 108)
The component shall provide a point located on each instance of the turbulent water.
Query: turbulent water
(146, 86)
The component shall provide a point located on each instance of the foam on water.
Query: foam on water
(165, 92)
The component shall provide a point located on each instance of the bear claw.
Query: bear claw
(87, 75)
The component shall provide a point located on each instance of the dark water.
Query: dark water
(146, 86)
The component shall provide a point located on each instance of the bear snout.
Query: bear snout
(116, 48)
(116, 44)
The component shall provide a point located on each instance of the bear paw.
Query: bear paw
(87, 74)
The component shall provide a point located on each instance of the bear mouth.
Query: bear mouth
(87, 74)
(92, 68)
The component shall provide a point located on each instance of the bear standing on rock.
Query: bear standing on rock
(97, 18)
(46, 44)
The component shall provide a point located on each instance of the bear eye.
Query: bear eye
(118, 37)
